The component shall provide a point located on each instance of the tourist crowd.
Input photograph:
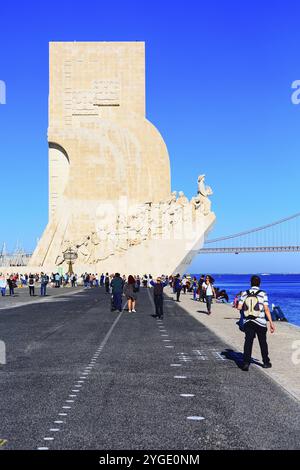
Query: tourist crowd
(202, 289)
(252, 303)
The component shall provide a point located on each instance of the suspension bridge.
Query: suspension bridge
(280, 236)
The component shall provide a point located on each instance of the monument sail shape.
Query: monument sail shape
(110, 194)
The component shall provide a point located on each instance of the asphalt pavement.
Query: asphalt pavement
(78, 376)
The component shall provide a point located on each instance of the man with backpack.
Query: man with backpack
(44, 282)
(254, 308)
(31, 285)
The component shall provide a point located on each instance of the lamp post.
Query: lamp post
(70, 256)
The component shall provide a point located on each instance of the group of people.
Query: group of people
(119, 286)
(14, 281)
(253, 303)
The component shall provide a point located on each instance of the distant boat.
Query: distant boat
(265, 274)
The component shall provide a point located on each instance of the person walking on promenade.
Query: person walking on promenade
(184, 284)
(44, 283)
(57, 280)
(255, 308)
(73, 280)
(130, 291)
(145, 280)
(177, 287)
(158, 297)
(11, 285)
(201, 290)
(107, 282)
(31, 284)
(3, 283)
(194, 288)
(117, 290)
(102, 280)
(209, 292)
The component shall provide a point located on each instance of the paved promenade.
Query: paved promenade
(22, 296)
(284, 344)
(78, 376)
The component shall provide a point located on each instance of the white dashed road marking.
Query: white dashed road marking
(83, 377)
(195, 418)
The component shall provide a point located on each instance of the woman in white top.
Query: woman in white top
(209, 293)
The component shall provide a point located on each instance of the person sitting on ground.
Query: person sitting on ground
(222, 296)
(236, 300)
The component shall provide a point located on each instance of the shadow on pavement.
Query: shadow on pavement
(237, 357)
(202, 311)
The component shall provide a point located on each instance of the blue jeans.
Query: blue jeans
(209, 302)
(195, 293)
(11, 291)
(3, 289)
(43, 289)
(117, 298)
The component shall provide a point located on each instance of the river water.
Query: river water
(282, 289)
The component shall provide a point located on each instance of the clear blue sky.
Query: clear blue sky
(219, 78)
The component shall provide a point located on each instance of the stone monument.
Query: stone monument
(110, 197)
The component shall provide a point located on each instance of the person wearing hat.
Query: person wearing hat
(158, 297)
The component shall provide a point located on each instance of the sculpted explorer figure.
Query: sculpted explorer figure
(203, 193)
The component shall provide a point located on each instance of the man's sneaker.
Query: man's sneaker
(245, 366)
(129, 311)
(267, 365)
(133, 310)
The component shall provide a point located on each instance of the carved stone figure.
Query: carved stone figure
(182, 199)
(203, 193)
